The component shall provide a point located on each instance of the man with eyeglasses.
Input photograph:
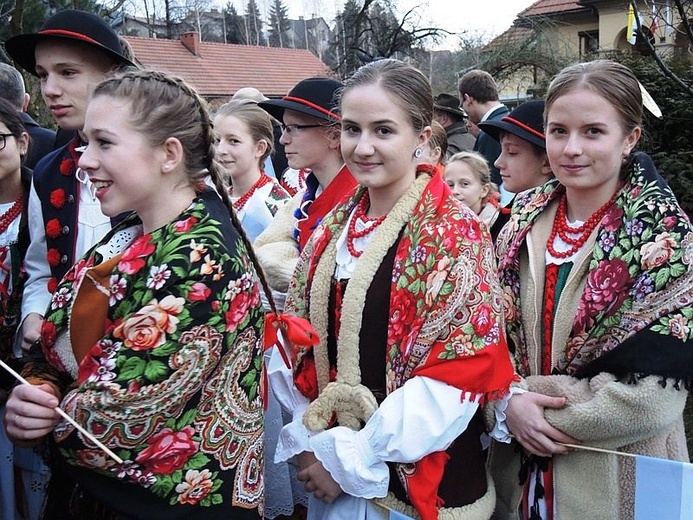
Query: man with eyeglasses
(311, 139)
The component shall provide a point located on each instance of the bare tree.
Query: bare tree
(644, 36)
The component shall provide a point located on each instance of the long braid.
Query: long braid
(217, 178)
(151, 118)
(221, 188)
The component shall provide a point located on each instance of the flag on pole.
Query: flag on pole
(668, 22)
(654, 25)
(377, 511)
(663, 489)
(632, 27)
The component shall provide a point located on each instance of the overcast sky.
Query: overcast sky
(486, 17)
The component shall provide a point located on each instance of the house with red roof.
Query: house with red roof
(550, 33)
(218, 70)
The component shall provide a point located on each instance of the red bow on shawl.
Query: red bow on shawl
(298, 331)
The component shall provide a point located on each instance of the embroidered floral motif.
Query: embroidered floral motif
(643, 249)
(181, 349)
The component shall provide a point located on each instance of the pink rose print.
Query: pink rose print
(185, 225)
(654, 254)
(481, 321)
(605, 290)
(613, 219)
(199, 292)
(196, 486)
(147, 329)
(168, 450)
(678, 325)
(238, 310)
(403, 314)
(133, 257)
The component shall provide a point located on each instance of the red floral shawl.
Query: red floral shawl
(444, 308)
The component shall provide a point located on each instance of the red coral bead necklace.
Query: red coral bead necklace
(8, 217)
(243, 199)
(360, 214)
(562, 229)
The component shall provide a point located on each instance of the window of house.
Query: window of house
(589, 42)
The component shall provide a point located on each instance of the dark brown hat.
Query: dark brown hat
(68, 25)
(526, 122)
(315, 97)
(448, 103)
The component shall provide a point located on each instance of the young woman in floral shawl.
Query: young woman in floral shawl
(399, 283)
(152, 341)
(596, 268)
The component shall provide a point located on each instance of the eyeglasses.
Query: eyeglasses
(3, 140)
(293, 129)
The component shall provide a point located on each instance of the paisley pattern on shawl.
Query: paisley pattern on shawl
(172, 385)
(444, 308)
(635, 316)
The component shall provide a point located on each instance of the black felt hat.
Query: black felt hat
(448, 103)
(315, 97)
(70, 24)
(526, 122)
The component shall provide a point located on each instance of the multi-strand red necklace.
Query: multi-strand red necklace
(242, 200)
(562, 229)
(371, 224)
(8, 217)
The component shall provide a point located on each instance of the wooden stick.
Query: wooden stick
(65, 416)
(591, 448)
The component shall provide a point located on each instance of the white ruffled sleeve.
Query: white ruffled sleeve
(434, 415)
(500, 431)
(294, 437)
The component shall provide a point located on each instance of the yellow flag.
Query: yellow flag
(632, 25)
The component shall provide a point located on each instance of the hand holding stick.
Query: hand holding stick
(65, 416)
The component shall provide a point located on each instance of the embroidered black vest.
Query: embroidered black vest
(57, 188)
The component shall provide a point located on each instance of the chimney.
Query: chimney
(191, 41)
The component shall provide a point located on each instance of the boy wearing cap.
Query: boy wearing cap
(70, 54)
(311, 139)
(447, 111)
(523, 163)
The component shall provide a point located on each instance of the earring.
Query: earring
(418, 153)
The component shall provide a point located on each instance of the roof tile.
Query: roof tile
(551, 7)
(221, 69)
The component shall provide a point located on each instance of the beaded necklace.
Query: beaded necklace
(8, 217)
(360, 214)
(562, 229)
(243, 200)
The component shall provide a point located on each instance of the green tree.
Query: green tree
(253, 24)
(234, 25)
(279, 23)
(347, 39)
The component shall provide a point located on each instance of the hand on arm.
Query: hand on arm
(525, 418)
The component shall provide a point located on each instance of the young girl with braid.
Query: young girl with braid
(152, 341)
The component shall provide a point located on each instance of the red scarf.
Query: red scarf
(340, 186)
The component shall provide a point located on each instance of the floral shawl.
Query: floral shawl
(635, 316)
(444, 314)
(171, 385)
